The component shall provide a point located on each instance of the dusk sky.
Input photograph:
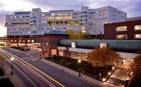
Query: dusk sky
(7, 7)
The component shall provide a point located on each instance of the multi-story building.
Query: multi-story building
(129, 29)
(87, 20)
(35, 23)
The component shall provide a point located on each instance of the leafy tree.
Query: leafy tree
(102, 57)
(101, 36)
(78, 35)
(66, 52)
(136, 66)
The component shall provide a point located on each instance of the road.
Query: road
(35, 73)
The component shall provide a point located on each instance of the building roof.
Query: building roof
(117, 45)
(57, 32)
(133, 18)
(3, 38)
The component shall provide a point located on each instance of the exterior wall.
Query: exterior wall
(47, 40)
(110, 30)
(80, 53)
(3, 42)
(36, 22)
(21, 41)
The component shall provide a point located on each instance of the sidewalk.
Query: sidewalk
(17, 82)
(74, 73)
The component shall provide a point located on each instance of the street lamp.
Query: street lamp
(40, 53)
(79, 61)
(100, 75)
(12, 59)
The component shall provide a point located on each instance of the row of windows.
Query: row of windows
(21, 40)
(19, 16)
(124, 36)
(124, 28)
(53, 14)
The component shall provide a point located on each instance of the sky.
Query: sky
(8, 7)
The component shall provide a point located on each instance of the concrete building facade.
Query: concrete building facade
(35, 22)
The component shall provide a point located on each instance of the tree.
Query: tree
(136, 66)
(78, 35)
(101, 36)
(66, 52)
(102, 57)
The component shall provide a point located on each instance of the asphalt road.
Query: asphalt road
(39, 74)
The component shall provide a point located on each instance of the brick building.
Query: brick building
(50, 41)
(130, 29)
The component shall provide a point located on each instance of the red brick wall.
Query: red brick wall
(50, 39)
(23, 38)
(110, 29)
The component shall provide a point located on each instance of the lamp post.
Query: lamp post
(100, 75)
(40, 53)
(79, 61)
(12, 59)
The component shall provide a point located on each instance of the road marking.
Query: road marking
(39, 70)
(19, 71)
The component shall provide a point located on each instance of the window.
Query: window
(19, 40)
(102, 45)
(122, 36)
(69, 17)
(59, 14)
(28, 41)
(11, 40)
(52, 14)
(53, 43)
(32, 40)
(138, 27)
(23, 40)
(50, 17)
(122, 28)
(137, 36)
(14, 40)
(59, 17)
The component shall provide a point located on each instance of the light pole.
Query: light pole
(100, 75)
(79, 61)
(12, 59)
(40, 53)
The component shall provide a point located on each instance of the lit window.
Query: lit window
(43, 14)
(50, 17)
(23, 40)
(138, 27)
(137, 36)
(59, 17)
(122, 28)
(19, 40)
(11, 40)
(34, 13)
(65, 14)
(102, 45)
(32, 40)
(69, 17)
(59, 14)
(52, 14)
(123, 36)
(28, 41)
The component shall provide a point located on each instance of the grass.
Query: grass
(86, 68)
